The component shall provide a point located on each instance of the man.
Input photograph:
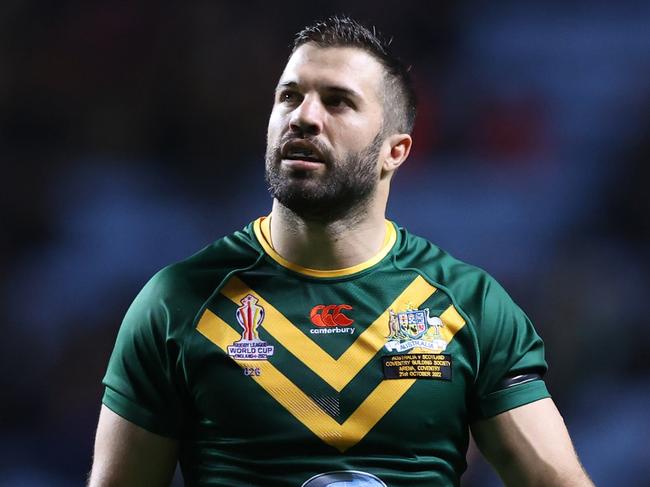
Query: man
(323, 345)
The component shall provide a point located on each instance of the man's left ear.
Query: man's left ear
(400, 146)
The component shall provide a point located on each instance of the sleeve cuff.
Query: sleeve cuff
(500, 401)
(138, 415)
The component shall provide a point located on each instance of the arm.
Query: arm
(128, 455)
(530, 446)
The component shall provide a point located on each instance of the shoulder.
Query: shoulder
(181, 288)
(438, 265)
(472, 289)
(204, 269)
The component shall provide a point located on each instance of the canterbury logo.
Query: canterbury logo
(330, 315)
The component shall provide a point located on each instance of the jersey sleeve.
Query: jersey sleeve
(508, 346)
(140, 382)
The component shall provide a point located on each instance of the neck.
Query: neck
(332, 245)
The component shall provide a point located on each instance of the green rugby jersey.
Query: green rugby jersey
(273, 374)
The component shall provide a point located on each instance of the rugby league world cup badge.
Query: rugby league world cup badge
(250, 316)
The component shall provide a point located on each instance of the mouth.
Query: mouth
(301, 151)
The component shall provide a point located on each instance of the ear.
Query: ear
(400, 147)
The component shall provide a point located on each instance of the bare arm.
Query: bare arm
(127, 455)
(530, 446)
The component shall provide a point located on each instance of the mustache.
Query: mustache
(317, 143)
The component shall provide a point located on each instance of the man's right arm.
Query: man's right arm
(530, 445)
(127, 455)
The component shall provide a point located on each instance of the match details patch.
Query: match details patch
(417, 366)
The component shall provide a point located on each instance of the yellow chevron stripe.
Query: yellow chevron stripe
(336, 372)
(372, 409)
(293, 399)
(453, 323)
(273, 381)
(301, 406)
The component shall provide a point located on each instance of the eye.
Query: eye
(337, 101)
(288, 96)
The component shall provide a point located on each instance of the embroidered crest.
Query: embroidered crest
(250, 316)
(414, 328)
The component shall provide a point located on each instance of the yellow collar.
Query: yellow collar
(262, 230)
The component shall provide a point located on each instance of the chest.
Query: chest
(339, 365)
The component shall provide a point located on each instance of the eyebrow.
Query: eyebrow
(340, 90)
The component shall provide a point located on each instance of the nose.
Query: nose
(307, 118)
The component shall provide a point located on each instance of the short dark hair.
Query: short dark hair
(399, 95)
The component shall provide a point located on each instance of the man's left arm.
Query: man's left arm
(530, 446)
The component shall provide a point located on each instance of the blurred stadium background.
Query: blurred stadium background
(132, 134)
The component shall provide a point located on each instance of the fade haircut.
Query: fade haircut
(398, 94)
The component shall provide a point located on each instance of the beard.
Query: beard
(343, 190)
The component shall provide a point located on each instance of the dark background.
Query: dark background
(132, 134)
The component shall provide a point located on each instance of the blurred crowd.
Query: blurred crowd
(132, 134)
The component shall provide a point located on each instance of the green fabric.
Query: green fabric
(171, 379)
(502, 400)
